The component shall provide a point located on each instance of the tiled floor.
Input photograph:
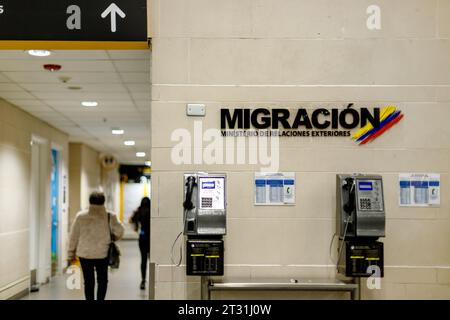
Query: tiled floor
(123, 283)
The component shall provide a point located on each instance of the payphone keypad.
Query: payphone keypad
(370, 196)
(365, 204)
(207, 203)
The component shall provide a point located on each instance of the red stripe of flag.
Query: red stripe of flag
(384, 129)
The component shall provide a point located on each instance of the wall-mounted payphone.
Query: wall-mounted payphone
(361, 220)
(360, 206)
(204, 206)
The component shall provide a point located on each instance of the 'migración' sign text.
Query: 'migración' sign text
(320, 122)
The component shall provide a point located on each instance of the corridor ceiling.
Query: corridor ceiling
(118, 80)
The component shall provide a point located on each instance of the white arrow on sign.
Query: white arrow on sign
(113, 9)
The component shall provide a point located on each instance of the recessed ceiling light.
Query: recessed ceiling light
(89, 103)
(148, 163)
(118, 131)
(129, 143)
(140, 154)
(39, 53)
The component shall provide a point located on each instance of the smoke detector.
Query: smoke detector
(52, 67)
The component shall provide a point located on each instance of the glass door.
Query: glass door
(55, 210)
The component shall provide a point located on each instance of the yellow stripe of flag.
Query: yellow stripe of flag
(385, 112)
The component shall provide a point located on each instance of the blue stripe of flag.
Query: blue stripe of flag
(382, 124)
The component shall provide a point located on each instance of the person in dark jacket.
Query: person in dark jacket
(141, 222)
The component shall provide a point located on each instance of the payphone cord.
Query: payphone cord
(187, 205)
(332, 241)
(331, 247)
(345, 234)
(342, 243)
(181, 251)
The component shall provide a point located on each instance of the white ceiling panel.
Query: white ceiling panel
(98, 130)
(64, 123)
(142, 104)
(130, 54)
(35, 109)
(102, 104)
(26, 102)
(98, 118)
(9, 87)
(118, 80)
(49, 114)
(80, 54)
(80, 132)
(146, 114)
(55, 77)
(56, 55)
(66, 66)
(4, 79)
(135, 77)
(132, 65)
(14, 55)
(139, 87)
(95, 144)
(105, 130)
(85, 66)
(81, 96)
(90, 87)
(68, 128)
(10, 95)
(143, 142)
(141, 95)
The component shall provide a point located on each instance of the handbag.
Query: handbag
(113, 250)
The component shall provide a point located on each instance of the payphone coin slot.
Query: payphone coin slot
(191, 226)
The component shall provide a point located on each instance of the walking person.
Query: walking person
(90, 238)
(141, 222)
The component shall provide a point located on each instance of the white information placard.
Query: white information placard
(419, 190)
(274, 188)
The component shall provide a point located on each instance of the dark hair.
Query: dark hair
(97, 198)
(145, 202)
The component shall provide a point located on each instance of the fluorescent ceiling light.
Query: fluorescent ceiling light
(89, 103)
(140, 154)
(118, 131)
(148, 163)
(39, 53)
(129, 143)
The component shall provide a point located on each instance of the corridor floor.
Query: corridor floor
(123, 283)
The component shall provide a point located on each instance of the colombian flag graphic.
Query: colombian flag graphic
(389, 117)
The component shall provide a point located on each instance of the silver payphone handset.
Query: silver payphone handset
(204, 204)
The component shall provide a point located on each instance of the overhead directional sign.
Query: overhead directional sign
(73, 20)
(112, 11)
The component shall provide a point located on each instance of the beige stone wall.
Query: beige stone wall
(90, 174)
(16, 130)
(75, 179)
(85, 176)
(293, 53)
